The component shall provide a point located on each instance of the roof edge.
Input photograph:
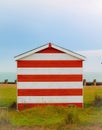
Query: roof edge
(69, 52)
(46, 46)
(30, 52)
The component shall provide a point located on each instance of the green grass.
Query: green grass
(7, 95)
(54, 118)
(90, 93)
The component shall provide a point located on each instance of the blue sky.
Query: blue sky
(72, 24)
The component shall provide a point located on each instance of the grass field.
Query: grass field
(52, 118)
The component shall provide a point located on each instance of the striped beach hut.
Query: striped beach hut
(49, 75)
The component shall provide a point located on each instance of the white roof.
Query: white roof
(46, 46)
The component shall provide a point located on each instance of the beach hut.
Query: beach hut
(49, 75)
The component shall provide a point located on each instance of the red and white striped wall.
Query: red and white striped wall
(49, 75)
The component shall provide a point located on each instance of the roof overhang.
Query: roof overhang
(47, 46)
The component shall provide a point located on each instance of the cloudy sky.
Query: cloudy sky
(72, 24)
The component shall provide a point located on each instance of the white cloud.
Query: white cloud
(82, 13)
(75, 6)
(93, 61)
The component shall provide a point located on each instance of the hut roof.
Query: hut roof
(45, 48)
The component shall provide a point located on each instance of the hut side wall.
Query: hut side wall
(49, 78)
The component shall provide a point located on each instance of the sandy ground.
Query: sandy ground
(9, 127)
(8, 85)
(67, 127)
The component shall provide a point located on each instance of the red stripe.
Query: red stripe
(22, 106)
(49, 78)
(49, 92)
(49, 63)
(50, 50)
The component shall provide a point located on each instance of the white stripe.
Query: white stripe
(49, 85)
(50, 56)
(50, 99)
(49, 71)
